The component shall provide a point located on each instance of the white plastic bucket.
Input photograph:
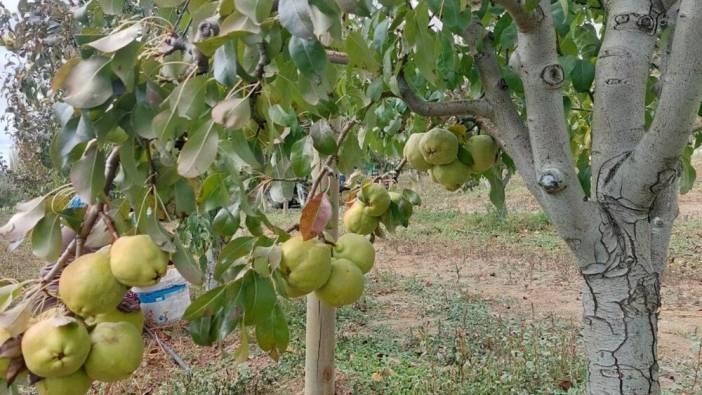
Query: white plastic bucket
(165, 302)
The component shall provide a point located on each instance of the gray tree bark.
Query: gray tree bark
(620, 237)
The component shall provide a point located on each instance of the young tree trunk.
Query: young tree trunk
(320, 339)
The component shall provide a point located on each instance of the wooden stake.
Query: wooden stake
(320, 337)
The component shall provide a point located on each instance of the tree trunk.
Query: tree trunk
(621, 297)
(620, 326)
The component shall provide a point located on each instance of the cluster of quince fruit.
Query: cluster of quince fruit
(372, 206)
(94, 340)
(335, 273)
(450, 163)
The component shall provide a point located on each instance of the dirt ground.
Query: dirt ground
(540, 285)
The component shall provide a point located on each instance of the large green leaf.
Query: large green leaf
(112, 7)
(237, 150)
(256, 10)
(88, 83)
(199, 151)
(224, 63)
(259, 297)
(88, 174)
(235, 249)
(295, 16)
(309, 55)
(207, 304)
(188, 98)
(301, 157)
(359, 54)
(117, 40)
(323, 137)
(582, 75)
(46, 237)
(123, 62)
(213, 193)
(27, 215)
(232, 113)
(185, 263)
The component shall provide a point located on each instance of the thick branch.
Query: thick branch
(525, 20)
(478, 107)
(536, 61)
(622, 73)
(654, 162)
(509, 129)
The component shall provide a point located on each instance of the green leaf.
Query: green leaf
(564, 5)
(232, 113)
(88, 84)
(301, 157)
(46, 237)
(253, 224)
(8, 293)
(688, 174)
(117, 40)
(184, 197)
(350, 154)
(280, 328)
(309, 55)
(207, 304)
(148, 223)
(281, 117)
(259, 298)
(497, 190)
(226, 223)
(295, 17)
(242, 352)
(185, 263)
(123, 62)
(237, 149)
(585, 37)
(412, 197)
(188, 98)
(112, 7)
(168, 3)
(330, 8)
(88, 174)
(232, 27)
(582, 75)
(265, 334)
(256, 10)
(200, 151)
(237, 248)
(164, 125)
(213, 193)
(359, 54)
(323, 138)
(28, 214)
(224, 64)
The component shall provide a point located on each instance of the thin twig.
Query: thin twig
(168, 350)
(111, 165)
(330, 160)
(394, 174)
(110, 225)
